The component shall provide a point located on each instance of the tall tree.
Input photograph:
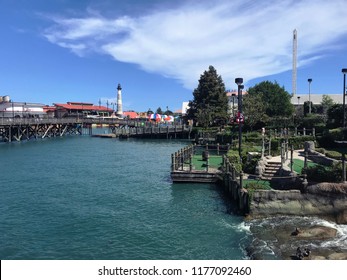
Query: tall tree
(159, 111)
(327, 103)
(210, 100)
(275, 99)
(254, 110)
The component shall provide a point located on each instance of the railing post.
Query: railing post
(343, 168)
(190, 162)
(182, 160)
(291, 158)
(172, 162)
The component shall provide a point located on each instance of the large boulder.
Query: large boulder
(309, 146)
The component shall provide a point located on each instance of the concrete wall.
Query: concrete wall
(266, 203)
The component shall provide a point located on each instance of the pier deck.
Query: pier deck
(18, 129)
(197, 170)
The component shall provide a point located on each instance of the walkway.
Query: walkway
(297, 154)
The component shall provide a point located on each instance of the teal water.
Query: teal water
(89, 198)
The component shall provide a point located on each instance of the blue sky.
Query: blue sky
(54, 51)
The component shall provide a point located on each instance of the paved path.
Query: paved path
(297, 154)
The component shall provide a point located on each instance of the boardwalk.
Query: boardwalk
(18, 129)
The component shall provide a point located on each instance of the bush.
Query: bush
(321, 173)
(333, 154)
(234, 159)
(249, 166)
(327, 140)
(298, 141)
(321, 150)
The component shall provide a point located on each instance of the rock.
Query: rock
(341, 217)
(309, 146)
(318, 258)
(337, 256)
(317, 232)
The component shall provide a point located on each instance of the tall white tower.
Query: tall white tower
(295, 50)
(119, 101)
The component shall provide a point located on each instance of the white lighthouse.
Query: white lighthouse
(119, 101)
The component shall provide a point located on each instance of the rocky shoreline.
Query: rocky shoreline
(278, 239)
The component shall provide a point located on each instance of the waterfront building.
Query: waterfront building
(11, 109)
(316, 99)
(130, 115)
(79, 109)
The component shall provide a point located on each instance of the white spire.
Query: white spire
(295, 47)
(119, 101)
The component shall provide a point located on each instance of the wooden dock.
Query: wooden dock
(188, 166)
(13, 129)
(107, 135)
(196, 176)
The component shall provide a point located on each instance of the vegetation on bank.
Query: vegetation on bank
(268, 105)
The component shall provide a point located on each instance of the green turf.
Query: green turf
(214, 162)
(298, 165)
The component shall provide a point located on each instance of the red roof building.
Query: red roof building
(80, 108)
(131, 115)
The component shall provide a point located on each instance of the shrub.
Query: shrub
(321, 150)
(321, 173)
(333, 154)
(234, 159)
(298, 141)
(249, 166)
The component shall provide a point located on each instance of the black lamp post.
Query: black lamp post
(309, 95)
(344, 72)
(239, 82)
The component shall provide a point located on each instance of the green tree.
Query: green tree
(335, 116)
(209, 99)
(275, 99)
(327, 103)
(254, 110)
(159, 111)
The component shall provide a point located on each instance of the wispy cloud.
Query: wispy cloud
(250, 39)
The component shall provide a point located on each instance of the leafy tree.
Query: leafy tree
(307, 108)
(335, 116)
(159, 111)
(149, 111)
(275, 99)
(210, 101)
(327, 103)
(168, 112)
(254, 109)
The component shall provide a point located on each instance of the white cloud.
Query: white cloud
(249, 39)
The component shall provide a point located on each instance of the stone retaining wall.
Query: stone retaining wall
(319, 200)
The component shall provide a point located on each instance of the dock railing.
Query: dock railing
(199, 158)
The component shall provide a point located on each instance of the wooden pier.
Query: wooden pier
(197, 164)
(185, 170)
(18, 129)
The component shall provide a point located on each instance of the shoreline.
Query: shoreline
(275, 238)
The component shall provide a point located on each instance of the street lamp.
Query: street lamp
(309, 95)
(344, 72)
(239, 82)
